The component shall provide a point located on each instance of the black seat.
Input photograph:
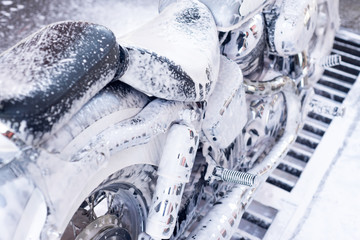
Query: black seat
(47, 77)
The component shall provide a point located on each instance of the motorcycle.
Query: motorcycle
(164, 133)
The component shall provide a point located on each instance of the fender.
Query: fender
(117, 101)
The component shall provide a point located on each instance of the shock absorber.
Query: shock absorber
(173, 173)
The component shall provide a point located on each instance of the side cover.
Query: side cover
(226, 115)
(48, 77)
(176, 55)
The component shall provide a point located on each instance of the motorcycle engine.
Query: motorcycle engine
(246, 46)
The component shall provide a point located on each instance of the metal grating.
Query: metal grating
(332, 89)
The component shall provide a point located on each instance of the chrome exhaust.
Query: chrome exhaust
(224, 218)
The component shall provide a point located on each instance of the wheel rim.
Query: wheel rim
(322, 40)
(115, 211)
(104, 227)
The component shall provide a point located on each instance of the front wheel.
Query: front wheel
(321, 43)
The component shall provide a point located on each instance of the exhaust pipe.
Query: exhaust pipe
(224, 218)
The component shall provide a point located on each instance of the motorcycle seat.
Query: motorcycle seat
(46, 78)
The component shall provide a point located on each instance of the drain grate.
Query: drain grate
(275, 200)
(255, 222)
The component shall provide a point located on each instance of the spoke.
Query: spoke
(121, 212)
(92, 212)
(73, 228)
(106, 212)
(109, 200)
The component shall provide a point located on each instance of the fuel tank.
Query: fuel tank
(176, 55)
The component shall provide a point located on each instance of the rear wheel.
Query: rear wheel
(117, 208)
(100, 195)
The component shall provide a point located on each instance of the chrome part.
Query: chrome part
(174, 172)
(290, 25)
(273, 86)
(113, 211)
(104, 227)
(330, 61)
(322, 40)
(246, 46)
(233, 176)
(291, 187)
(295, 67)
(322, 108)
(267, 117)
(226, 14)
(224, 217)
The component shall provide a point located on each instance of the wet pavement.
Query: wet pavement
(19, 18)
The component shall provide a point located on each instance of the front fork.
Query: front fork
(174, 172)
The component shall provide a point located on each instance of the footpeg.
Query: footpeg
(233, 176)
(330, 61)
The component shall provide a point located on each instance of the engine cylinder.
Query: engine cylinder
(246, 45)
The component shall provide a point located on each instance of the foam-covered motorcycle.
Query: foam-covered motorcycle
(165, 132)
